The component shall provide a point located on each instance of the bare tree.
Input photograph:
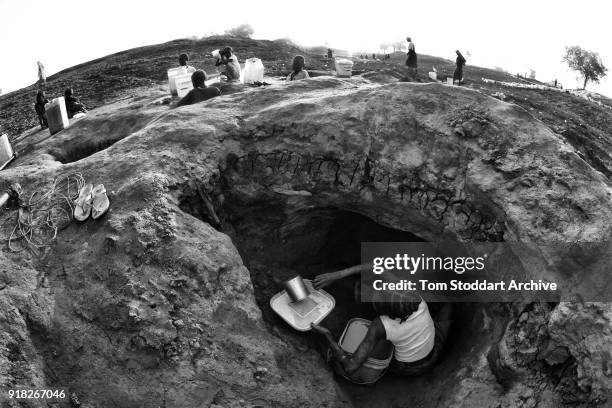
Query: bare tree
(587, 63)
(243, 30)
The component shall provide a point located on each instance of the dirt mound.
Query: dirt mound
(163, 301)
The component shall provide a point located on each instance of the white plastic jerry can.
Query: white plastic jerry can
(433, 75)
(57, 116)
(183, 84)
(6, 151)
(173, 72)
(253, 71)
(344, 67)
(449, 81)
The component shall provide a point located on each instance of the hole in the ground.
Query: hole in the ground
(97, 134)
(277, 241)
(79, 150)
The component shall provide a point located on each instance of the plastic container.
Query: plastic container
(183, 84)
(344, 67)
(433, 75)
(300, 315)
(6, 151)
(377, 364)
(449, 81)
(57, 116)
(253, 71)
(172, 73)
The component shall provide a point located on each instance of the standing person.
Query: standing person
(298, 69)
(460, 62)
(373, 56)
(42, 75)
(411, 61)
(330, 53)
(73, 105)
(232, 66)
(200, 91)
(39, 107)
(183, 58)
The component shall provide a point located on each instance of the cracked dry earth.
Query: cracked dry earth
(163, 302)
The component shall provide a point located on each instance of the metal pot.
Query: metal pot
(296, 289)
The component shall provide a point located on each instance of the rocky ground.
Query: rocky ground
(164, 301)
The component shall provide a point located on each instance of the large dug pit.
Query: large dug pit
(279, 238)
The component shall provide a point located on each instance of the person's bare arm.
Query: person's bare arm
(325, 279)
(351, 363)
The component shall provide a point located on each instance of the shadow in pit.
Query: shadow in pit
(276, 244)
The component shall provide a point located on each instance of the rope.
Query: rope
(44, 213)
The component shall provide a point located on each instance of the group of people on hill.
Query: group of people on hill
(73, 106)
(411, 62)
(230, 68)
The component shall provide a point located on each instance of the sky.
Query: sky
(516, 35)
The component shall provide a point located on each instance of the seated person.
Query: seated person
(183, 58)
(298, 69)
(200, 91)
(232, 66)
(402, 320)
(39, 107)
(73, 105)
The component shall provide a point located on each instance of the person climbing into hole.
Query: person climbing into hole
(200, 91)
(39, 107)
(183, 58)
(232, 66)
(298, 69)
(404, 320)
(73, 105)
(460, 63)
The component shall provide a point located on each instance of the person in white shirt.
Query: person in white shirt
(402, 320)
(183, 58)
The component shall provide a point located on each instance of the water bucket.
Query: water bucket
(183, 84)
(253, 71)
(6, 151)
(377, 363)
(57, 116)
(296, 289)
(172, 73)
(344, 68)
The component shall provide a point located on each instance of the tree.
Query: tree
(384, 47)
(243, 30)
(398, 45)
(587, 63)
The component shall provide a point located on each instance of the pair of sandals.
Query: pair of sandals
(91, 201)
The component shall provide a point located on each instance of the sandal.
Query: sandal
(100, 202)
(82, 209)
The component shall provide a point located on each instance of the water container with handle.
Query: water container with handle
(172, 73)
(6, 151)
(57, 116)
(344, 67)
(253, 71)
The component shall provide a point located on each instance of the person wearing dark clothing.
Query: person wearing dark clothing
(73, 105)
(200, 91)
(460, 62)
(411, 61)
(39, 107)
(330, 53)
